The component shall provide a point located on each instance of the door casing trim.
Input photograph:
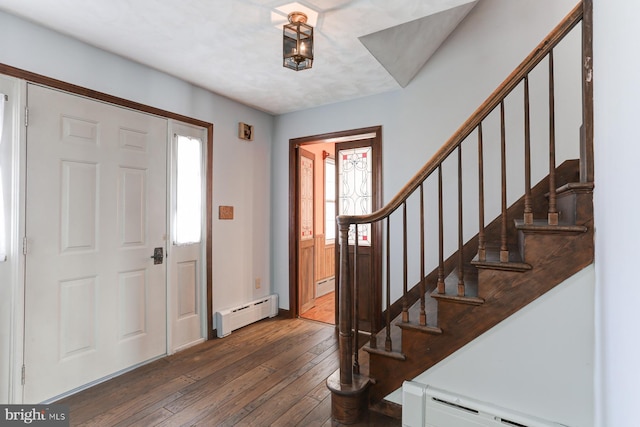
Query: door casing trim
(373, 132)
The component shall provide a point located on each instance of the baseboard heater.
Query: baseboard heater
(233, 318)
(427, 406)
(325, 286)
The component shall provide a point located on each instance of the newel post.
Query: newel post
(344, 307)
(349, 397)
(586, 142)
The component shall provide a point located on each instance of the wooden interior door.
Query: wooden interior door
(357, 193)
(306, 235)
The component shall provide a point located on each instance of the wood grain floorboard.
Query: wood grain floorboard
(324, 309)
(271, 373)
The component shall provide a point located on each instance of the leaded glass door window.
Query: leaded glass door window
(355, 189)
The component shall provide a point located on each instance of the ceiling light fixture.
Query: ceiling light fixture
(297, 47)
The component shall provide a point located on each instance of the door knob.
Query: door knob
(157, 256)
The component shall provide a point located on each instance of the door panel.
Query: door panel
(306, 240)
(186, 258)
(357, 190)
(95, 302)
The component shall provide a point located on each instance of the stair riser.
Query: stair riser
(539, 249)
(575, 206)
(486, 277)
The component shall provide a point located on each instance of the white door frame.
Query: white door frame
(16, 103)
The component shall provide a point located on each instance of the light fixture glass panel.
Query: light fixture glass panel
(290, 45)
(188, 221)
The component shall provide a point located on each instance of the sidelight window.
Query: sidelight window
(188, 220)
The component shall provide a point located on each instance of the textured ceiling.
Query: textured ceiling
(234, 48)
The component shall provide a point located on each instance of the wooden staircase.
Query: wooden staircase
(543, 257)
(532, 246)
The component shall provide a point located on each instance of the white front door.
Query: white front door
(187, 270)
(95, 300)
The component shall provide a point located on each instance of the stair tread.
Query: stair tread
(451, 287)
(575, 186)
(421, 328)
(492, 259)
(393, 354)
(541, 225)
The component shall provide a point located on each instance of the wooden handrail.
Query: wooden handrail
(510, 83)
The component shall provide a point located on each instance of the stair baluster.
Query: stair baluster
(440, 234)
(405, 306)
(504, 250)
(356, 305)
(373, 338)
(482, 250)
(387, 343)
(423, 313)
(553, 209)
(461, 290)
(528, 210)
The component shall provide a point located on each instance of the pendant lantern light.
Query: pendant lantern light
(297, 46)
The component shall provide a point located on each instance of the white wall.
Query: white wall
(617, 150)
(241, 173)
(493, 39)
(538, 362)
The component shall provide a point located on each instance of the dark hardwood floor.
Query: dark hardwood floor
(271, 373)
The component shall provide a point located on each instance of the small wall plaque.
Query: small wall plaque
(225, 212)
(245, 131)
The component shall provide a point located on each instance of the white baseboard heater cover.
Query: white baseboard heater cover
(234, 318)
(325, 286)
(427, 406)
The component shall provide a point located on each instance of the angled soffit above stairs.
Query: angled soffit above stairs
(404, 49)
